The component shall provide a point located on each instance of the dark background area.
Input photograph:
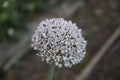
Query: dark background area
(98, 20)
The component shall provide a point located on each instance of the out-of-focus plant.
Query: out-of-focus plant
(13, 15)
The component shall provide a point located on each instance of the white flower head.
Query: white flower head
(59, 41)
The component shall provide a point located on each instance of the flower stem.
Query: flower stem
(51, 71)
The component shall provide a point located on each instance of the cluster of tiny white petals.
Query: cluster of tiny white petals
(59, 41)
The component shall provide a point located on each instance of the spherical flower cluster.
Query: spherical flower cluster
(60, 42)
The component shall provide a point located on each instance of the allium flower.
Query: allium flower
(60, 42)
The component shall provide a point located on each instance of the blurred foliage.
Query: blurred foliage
(13, 14)
(118, 4)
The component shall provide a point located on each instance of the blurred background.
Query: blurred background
(98, 19)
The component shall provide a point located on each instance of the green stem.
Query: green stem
(51, 71)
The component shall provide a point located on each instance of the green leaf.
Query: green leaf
(30, 7)
(16, 20)
(3, 17)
